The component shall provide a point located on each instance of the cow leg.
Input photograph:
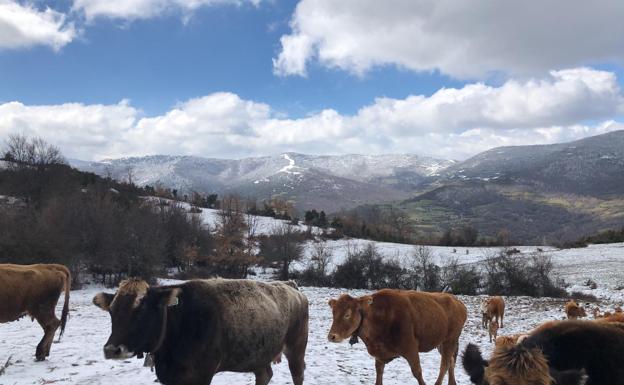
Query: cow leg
(452, 362)
(413, 360)
(501, 323)
(379, 370)
(49, 324)
(263, 376)
(446, 352)
(294, 351)
(296, 364)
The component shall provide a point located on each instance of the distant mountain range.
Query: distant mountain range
(543, 193)
(322, 182)
(540, 194)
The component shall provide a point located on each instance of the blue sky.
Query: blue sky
(157, 63)
(236, 78)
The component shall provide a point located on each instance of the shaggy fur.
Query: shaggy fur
(509, 340)
(402, 323)
(568, 347)
(523, 360)
(202, 327)
(34, 290)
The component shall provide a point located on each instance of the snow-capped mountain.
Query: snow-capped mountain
(592, 166)
(323, 182)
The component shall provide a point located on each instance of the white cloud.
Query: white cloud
(84, 131)
(462, 38)
(23, 26)
(145, 9)
(452, 123)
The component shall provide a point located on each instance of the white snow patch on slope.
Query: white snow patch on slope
(288, 169)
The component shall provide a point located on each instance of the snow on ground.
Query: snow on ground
(288, 169)
(603, 264)
(78, 358)
(403, 252)
(264, 225)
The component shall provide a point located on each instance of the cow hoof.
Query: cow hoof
(38, 359)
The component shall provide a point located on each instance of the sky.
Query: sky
(239, 78)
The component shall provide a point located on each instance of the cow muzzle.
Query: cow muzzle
(333, 337)
(117, 352)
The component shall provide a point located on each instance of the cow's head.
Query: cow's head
(515, 365)
(138, 315)
(347, 314)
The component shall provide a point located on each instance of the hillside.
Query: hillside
(593, 166)
(540, 194)
(330, 183)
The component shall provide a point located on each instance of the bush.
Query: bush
(366, 269)
(283, 246)
(513, 275)
(459, 279)
(425, 273)
(316, 273)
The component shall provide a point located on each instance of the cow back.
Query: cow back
(432, 317)
(23, 288)
(244, 323)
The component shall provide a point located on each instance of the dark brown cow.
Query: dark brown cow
(34, 290)
(554, 353)
(402, 323)
(199, 328)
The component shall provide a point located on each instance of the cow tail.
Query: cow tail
(65, 312)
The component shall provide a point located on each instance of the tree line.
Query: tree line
(111, 229)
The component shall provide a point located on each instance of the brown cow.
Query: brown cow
(611, 318)
(493, 330)
(492, 307)
(574, 311)
(34, 290)
(402, 323)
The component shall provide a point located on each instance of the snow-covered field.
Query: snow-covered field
(78, 358)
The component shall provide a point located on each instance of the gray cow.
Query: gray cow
(199, 328)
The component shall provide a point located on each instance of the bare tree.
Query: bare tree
(130, 175)
(426, 270)
(232, 248)
(321, 258)
(33, 152)
(284, 245)
(252, 222)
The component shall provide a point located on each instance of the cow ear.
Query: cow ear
(366, 301)
(103, 300)
(169, 297)
(332, 303)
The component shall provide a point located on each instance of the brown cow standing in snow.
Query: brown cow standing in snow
(574, 311)
(402, 323)
(492, 308)
(34, 290)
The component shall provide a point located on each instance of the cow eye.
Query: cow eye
(347, 316)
